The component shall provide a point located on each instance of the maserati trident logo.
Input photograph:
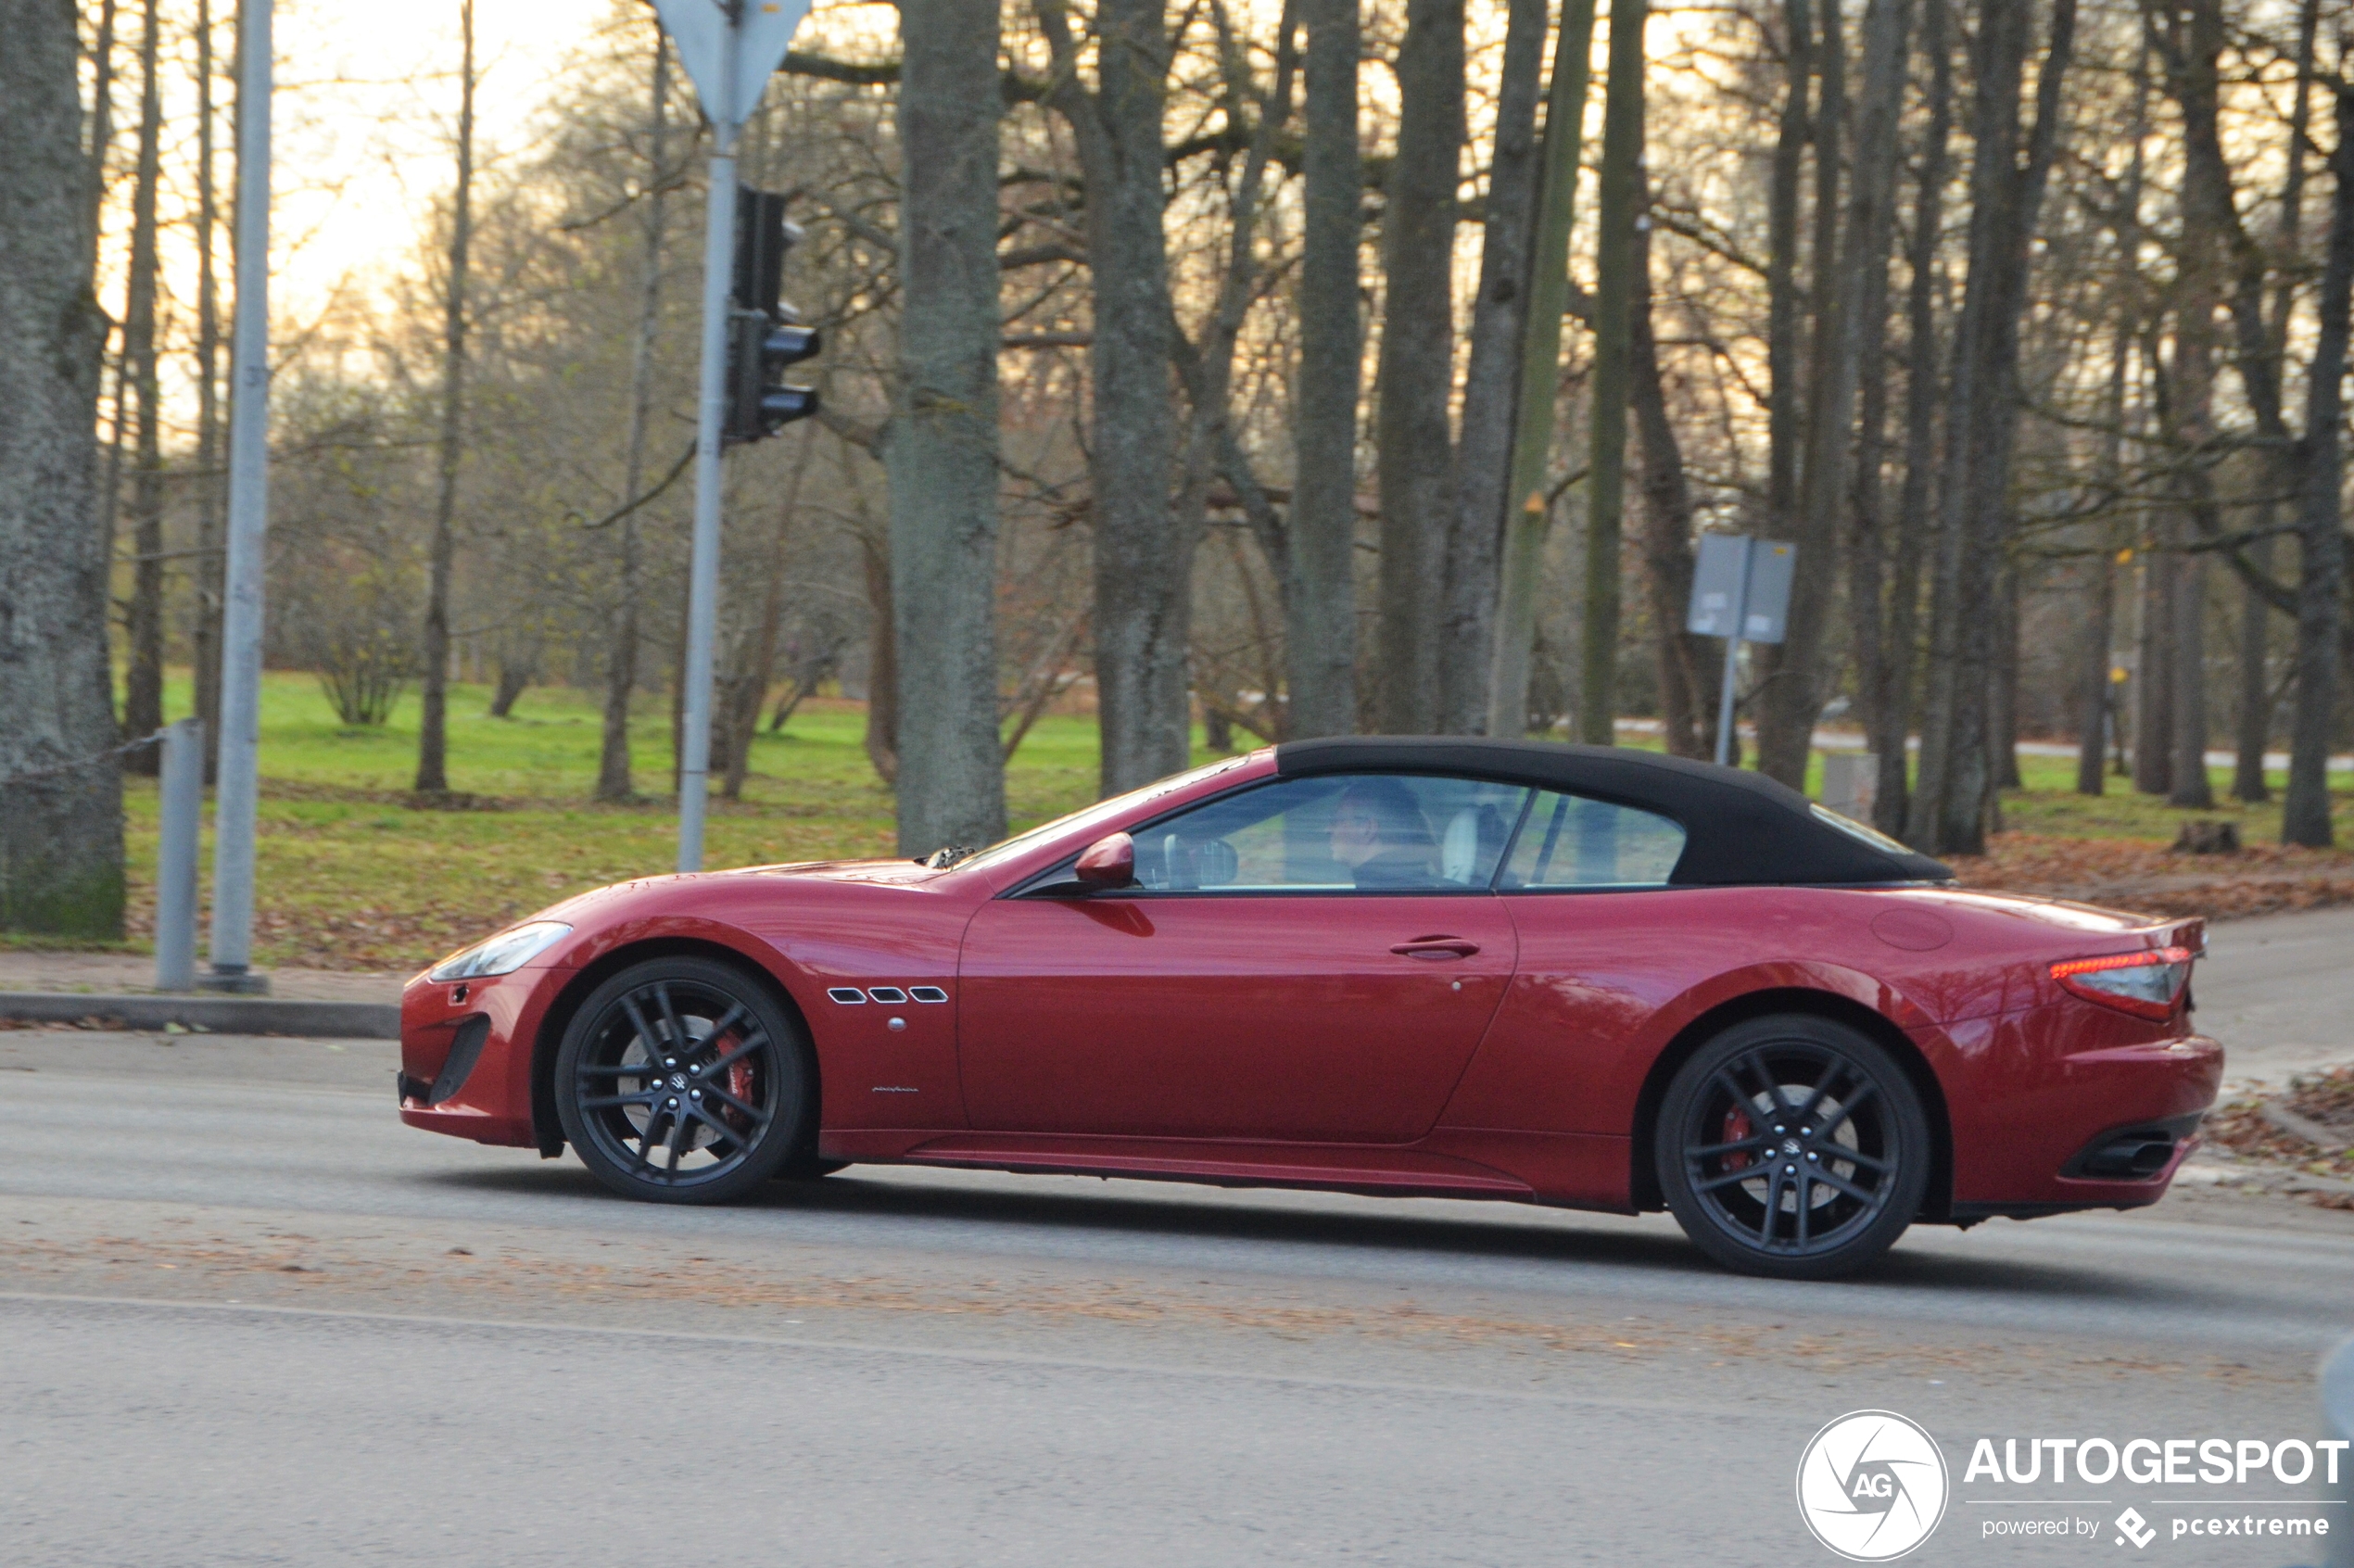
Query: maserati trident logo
(1872, 1486)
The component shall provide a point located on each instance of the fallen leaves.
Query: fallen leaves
(2147, 876)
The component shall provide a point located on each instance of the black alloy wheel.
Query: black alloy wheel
(1792, 1147)
(683, 1081)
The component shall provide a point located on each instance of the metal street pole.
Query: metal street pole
(1732, 655)
(728, 49)
(703, 578)
(238, 787)
(180, 815)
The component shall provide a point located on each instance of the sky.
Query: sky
(366, 94)
(366, 105)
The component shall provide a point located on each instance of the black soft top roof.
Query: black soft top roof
(1740, 827)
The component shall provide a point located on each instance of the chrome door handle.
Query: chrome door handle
(1433, 947)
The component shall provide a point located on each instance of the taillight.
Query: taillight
(2146, 984)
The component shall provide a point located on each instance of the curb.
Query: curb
(217, 1015)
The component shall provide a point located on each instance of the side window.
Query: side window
(1342, 833)
(1569, 842)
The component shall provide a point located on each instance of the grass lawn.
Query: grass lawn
(354, 876)
(2050, 804)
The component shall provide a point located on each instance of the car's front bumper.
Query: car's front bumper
(466, 1055)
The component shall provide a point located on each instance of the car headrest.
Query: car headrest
(1459, 849)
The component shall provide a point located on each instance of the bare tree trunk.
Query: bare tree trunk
(60, 788)
(1949, 811)
(1891, 720)
(1789, 696)
(2002, 725)
(1207, 366)
(1491, 385)
(1688, 694)
(1619, 294)
(2255, 705)
(1143, 559)
(107, 501)
(210, 557)
(2153, 677)
(1412, 438)
(749, 692)
(2305, 810)
(1783, 413)
(516, 673)
(92, 173)
(1871, 229)
(2191, 788)
(1321, 632)
(2099, 714)
(2191, 425)
(2093, 682)
(433, 774)
(143, 691)
(882, 662)
(1528, 513)
(2252, 709)
(941, 446)
(621, 651)
(2096, 691)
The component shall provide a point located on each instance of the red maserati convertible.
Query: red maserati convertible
(1593, 978)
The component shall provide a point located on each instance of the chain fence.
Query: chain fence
(78, 764)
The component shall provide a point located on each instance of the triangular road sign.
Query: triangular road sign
(699, 27)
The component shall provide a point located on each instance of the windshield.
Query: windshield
(1102, 811)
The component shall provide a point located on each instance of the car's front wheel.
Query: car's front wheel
(682, 1080)
(1792, 1147)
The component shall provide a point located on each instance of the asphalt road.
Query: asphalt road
(2279, 992)
(246, 1317)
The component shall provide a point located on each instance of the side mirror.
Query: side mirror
(1108, 863)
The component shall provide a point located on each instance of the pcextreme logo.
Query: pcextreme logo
(1872, 1486)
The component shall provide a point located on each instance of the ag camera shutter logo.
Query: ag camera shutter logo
(1872, 1486)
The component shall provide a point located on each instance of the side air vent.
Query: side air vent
(464, 1050)
(848, 995)
(926, 994)
(889, 996)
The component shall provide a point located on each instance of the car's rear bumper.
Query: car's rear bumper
(2081, 1130)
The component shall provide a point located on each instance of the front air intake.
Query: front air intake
(464, 1050)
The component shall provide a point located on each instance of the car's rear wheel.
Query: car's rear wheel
(682, 1080)
(1792, 1147)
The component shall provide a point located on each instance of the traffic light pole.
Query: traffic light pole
(728, 48)
(703, 576)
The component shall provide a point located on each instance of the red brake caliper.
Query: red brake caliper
(1737, 1127)
(739, 1085)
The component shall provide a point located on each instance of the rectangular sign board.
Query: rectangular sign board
(1718, 594)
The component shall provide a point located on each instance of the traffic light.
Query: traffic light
(764, 333)
(760, 402)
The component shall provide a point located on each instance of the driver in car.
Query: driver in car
(1381, 835)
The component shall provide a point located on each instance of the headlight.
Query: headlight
(508, 950)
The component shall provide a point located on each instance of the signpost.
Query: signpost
(1740, 592)
(729, 51)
